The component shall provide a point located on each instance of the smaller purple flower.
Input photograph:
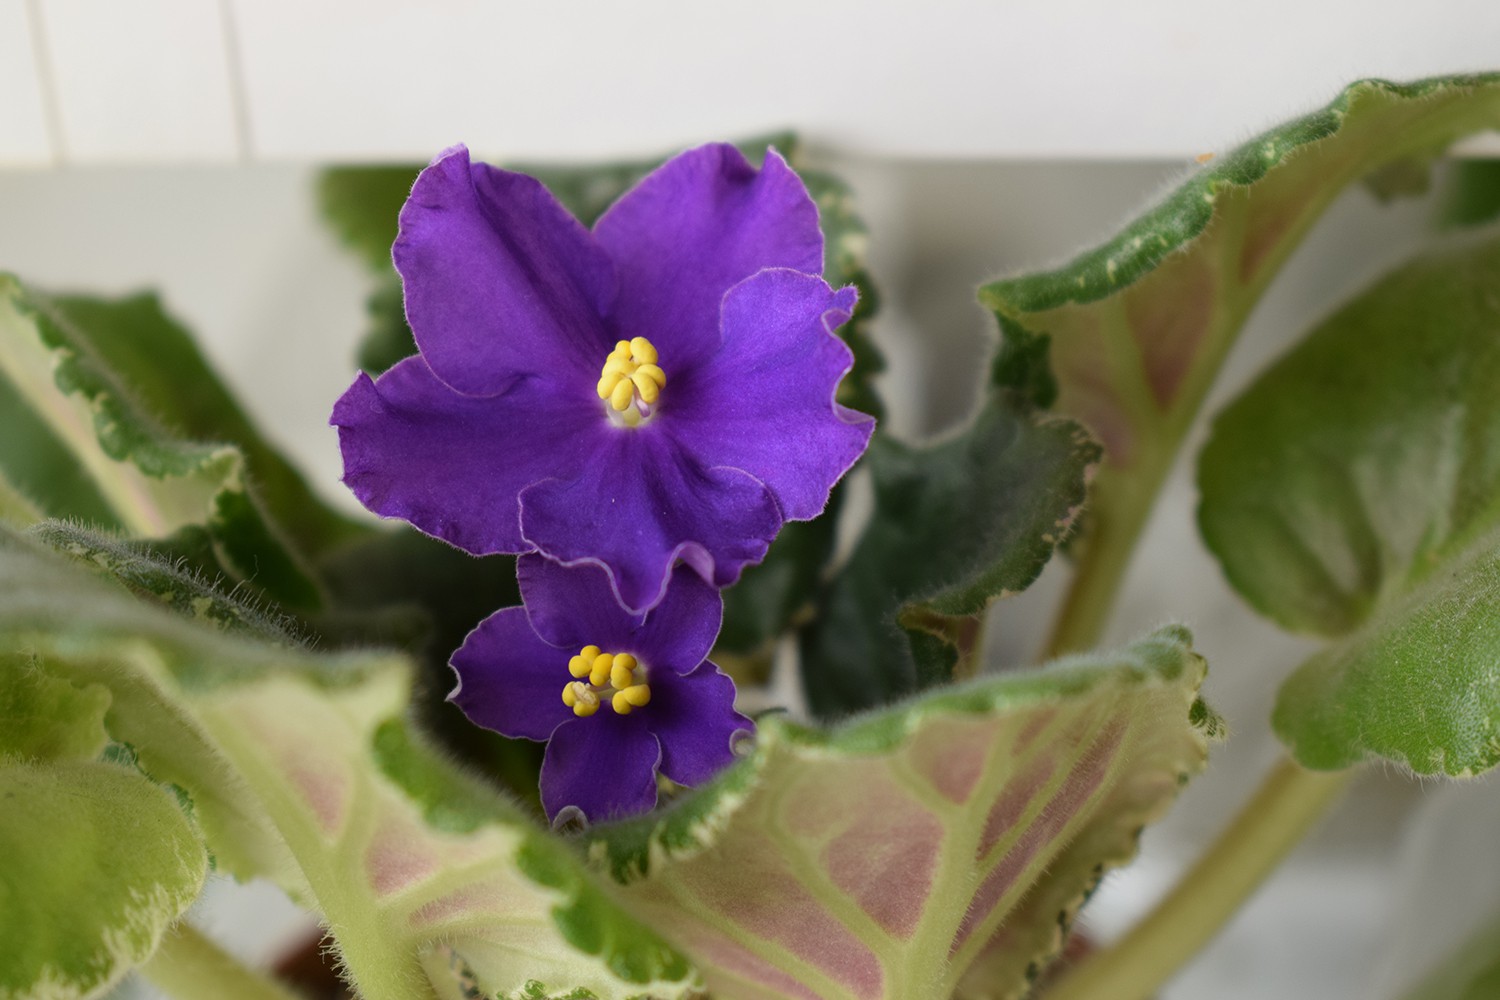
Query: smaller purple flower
(617, 696)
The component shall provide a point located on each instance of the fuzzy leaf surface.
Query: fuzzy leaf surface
(1139, 323)
(956, 525)
(280, 752)
(1139, 326)
(1353, 491)
(884, 857)
(99, 862)
(137, 432)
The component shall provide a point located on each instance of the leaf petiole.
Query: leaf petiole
(190, 966)
(1289, 802)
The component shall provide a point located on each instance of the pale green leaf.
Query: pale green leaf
(885, 857)
(45, 717)
(289, 762)
(1354, 491)
(16, 510)
(98, 863)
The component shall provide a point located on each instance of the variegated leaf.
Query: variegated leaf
(884, 857)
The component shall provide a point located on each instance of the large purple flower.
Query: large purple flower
(658, 388)
(618, 697)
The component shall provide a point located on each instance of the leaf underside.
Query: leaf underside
(885, 857)
(287, 760)
(1139, 324)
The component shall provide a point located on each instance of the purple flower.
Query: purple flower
(618, 697)
(660, 388)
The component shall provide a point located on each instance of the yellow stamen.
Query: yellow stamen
(582, 699)
(631, 380)
(622, 395)
(641, 348)
(599, 673)
(616, 678)
(620, 675)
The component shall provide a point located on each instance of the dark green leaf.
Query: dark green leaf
(956, 525)
(1473, 195)
(127, 398)
(389, 338)
(1354, 491)
(149, 351)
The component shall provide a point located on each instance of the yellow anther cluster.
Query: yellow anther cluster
(602, 676)
(631, 380)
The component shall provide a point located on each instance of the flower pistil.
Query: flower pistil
(631, 381)
(614, 677)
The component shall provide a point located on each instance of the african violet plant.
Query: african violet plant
(619, 421)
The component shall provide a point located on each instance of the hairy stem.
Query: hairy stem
(190, 966)
(1288, 803)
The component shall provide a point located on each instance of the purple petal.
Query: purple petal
(680, 631)
(574, 605)
(699, 224)
(499, 279)
(693, 717)
(452, 464)
(605, 765)
(764, 403)
(509, 680)
(640, 505)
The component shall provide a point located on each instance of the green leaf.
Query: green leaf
(141, 455)
(1472, 972)
(40, 465)
(148, 350)
(956, 525)
(884, 857)
(1353, 491)
(158, 573)
(98, 863)
(1472, 197)
(293, 773)
(1139, 325)
(44, 717)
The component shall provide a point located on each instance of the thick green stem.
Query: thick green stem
(190, 966)
(1287, 805)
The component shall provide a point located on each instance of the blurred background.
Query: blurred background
(175, 144)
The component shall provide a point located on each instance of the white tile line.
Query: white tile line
(47, 83)
(234, 66)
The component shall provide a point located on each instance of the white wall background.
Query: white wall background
(109, 81)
